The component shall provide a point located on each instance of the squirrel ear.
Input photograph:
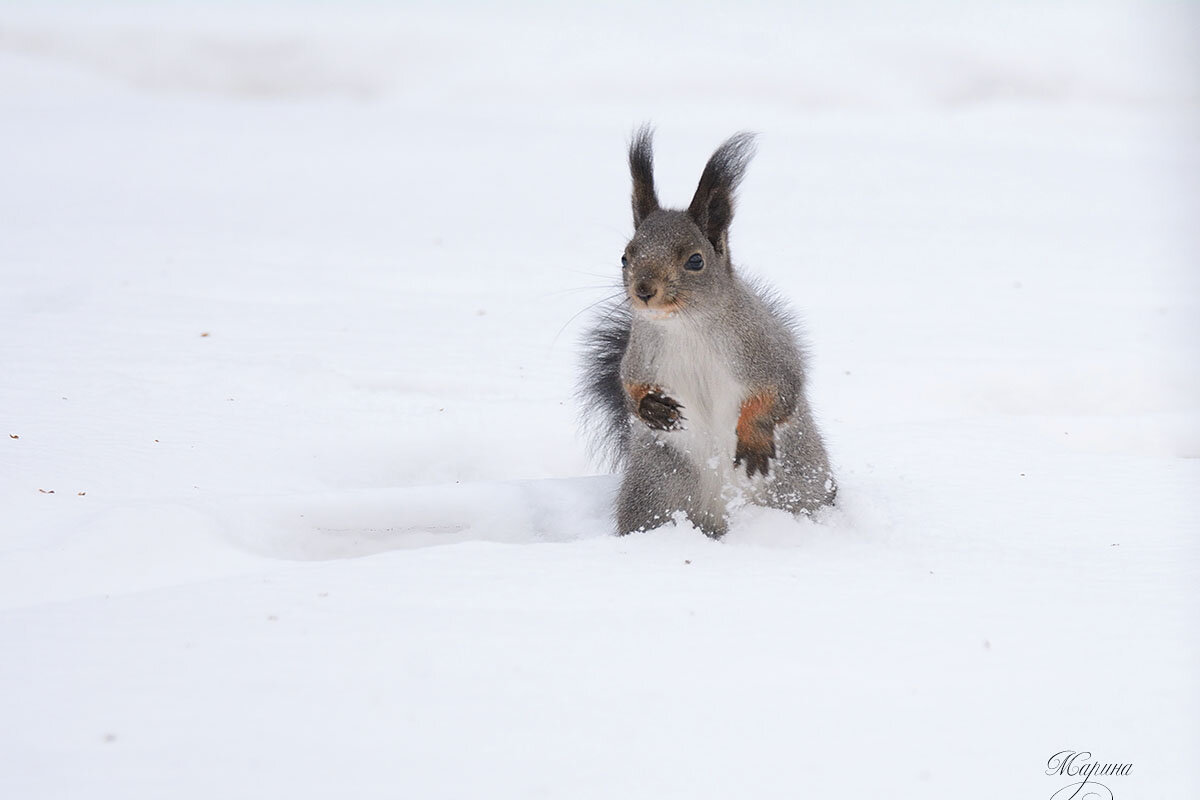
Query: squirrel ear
(712, 206)
(641, 166)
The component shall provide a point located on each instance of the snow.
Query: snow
(293, 498)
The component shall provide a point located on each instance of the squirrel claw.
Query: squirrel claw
(756, 460)
(660, 412)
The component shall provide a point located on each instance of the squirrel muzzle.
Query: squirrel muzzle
(650, 292)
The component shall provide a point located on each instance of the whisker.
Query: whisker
(613, 287)
(614, 309)
(602, 275)
(586, 308)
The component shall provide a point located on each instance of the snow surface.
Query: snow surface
(288, 325)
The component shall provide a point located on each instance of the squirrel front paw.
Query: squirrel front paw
(660, 412)
(755, 446)
(756, 453)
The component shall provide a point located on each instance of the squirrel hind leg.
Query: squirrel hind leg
(831, 491)
(659, 483)
(804, 495)
(804, 483)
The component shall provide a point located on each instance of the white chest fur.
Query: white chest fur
(691, 368)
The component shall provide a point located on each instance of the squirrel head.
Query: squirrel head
(679, 260)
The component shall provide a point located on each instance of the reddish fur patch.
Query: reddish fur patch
(637, 391)
(756, 424)
(756, 433)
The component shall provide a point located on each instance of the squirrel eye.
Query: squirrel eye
(696, 262)
(624, 262)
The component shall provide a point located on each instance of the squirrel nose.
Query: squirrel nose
(645, 290)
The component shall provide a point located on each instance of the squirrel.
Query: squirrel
(696, 376)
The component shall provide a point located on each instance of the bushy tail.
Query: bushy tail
(601, 394)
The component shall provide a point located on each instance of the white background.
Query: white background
(288, 335)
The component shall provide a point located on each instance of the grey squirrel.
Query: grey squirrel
(696, 377)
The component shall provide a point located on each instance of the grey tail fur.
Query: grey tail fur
(601, 391)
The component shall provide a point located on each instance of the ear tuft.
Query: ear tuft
(712, 206)
(641, 167)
